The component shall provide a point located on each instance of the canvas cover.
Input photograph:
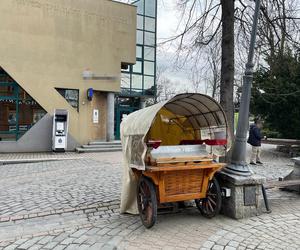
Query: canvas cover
(185, 116)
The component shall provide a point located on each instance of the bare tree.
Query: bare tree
(215, 68)
(198, 80)
(214, 71)
(278, 30)
(203, 20)
(165, 88)
(206, 76)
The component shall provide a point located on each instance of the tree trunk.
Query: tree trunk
(227, 64)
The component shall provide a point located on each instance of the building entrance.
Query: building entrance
(124, 106)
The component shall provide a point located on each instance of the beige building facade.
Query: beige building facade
(50, 49)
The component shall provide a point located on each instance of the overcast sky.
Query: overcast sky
(167, 24)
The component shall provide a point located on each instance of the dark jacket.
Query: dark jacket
(254, 136)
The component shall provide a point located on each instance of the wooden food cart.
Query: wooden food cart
(172, 155)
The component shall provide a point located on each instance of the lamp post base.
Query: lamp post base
(246, 198)
(238, 169)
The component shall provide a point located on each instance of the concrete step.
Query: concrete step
(105, 143)
(98, 150)
(102, 146)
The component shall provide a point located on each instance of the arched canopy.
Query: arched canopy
(201, 110)
(182, 117)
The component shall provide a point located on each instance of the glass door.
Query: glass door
(121, 113)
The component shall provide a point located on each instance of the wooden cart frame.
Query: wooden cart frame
(182, 182)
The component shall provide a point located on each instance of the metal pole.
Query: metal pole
(110, 116)
(238, 164)
(266, 199)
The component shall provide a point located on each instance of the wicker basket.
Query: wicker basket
(184, 182)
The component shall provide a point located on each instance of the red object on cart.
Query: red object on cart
(153, 143)
(216, 142)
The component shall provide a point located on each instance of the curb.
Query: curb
(22, 161)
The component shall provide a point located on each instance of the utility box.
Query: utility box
(60, 130)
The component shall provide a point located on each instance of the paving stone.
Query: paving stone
(27, 244)
(11, 247)
(51, 245)
(233, 244)
(223, 242)
(217, 247)
(115, 231)
(60, 247)
(81, 239)
(208, 244)
(20, 241)
(36, 247)
(67, 241)
(93, 185)
(229, 248)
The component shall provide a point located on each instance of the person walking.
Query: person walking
(254, 140)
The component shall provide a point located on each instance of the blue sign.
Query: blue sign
(90, 94)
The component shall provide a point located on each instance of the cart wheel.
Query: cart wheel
(211, 205)
(147, 202)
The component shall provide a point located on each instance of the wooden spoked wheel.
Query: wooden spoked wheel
(147, 201)
(211, 205)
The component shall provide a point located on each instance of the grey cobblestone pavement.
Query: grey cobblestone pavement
(49, 186)
(276, 164)
(74, 204)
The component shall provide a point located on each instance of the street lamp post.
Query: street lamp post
(245, 196)
(238, 164)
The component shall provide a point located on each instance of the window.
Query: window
(137, 82)
(127, 70)
(150, 8)
(140, 6)
(19, 111)
(71, 96)
(125, 81)
(150, 24)
(139, 52)
(149, 53)
(12, 117)
(148, 82)
(137, 68)
(139, 37)
(149, 68)
(37, 115)
(149, 39)
(140, 22)
(139, 79)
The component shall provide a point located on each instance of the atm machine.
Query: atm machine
(60, 130)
